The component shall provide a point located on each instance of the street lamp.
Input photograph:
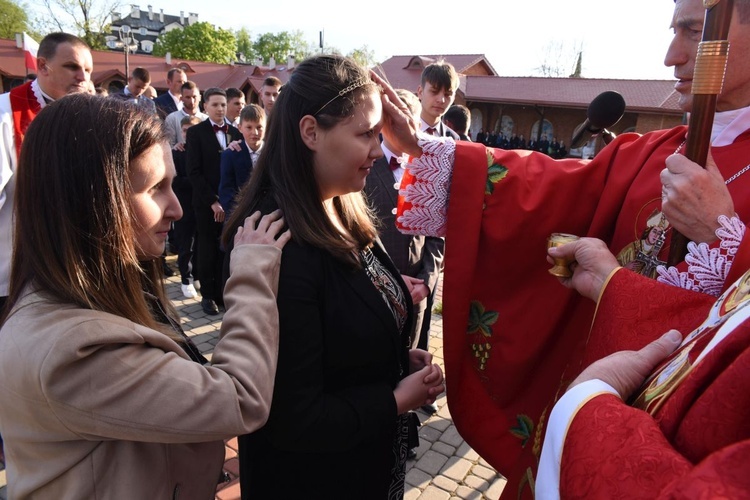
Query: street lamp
(126, 38)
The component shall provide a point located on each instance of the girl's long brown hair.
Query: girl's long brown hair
(74, 238)
(285, 167)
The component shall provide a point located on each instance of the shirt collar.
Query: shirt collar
(388, 153)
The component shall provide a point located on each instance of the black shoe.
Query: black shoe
(209, 307)
(430, 409)
(167, 270)
(411, 454)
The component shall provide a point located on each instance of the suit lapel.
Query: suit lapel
(211, 135)
(383, 173)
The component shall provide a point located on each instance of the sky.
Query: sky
(619, 39)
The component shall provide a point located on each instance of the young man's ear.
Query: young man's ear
(308, 130)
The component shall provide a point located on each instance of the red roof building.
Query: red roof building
(517, 105)
(508, 105)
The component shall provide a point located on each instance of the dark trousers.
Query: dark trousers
(184, 234)
(424, 335)
(210, 257)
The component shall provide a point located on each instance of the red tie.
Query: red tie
(223, 128)
(394, 164)
(431, 130)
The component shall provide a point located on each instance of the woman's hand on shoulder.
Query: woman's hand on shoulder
(265, 230)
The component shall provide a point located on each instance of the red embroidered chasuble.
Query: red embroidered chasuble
(697, 443)
(25, 107)
(514, 337)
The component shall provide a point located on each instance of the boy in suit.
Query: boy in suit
(436, 92)
(205, 143)
(419, 259)
(235, 104)
(138, 81)
(236, 166)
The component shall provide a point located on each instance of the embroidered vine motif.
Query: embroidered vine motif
(527, 481)
(495, 173)
(538, 435)
(480, 322)
(523, 429)
(708, 267)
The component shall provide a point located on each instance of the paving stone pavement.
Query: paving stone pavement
(445, 468)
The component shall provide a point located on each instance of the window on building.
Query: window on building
(547, 131)
(476, 122)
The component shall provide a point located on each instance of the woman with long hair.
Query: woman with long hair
(346, 378)
(103, 394)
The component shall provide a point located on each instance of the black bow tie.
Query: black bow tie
(224, 128)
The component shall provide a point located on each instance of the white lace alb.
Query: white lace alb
(708, 268)
(428, 194)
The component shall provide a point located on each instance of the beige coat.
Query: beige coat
(95, 406)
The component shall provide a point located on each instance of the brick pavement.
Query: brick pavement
(445, 467)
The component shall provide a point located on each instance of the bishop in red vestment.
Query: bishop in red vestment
(514, 338)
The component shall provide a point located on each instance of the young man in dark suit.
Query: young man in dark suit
(205, 143)
(419, 259)
(236, 166)
(138, 80)
(436, 92)
(170, 101)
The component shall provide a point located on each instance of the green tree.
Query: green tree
(280, 45)
(245, 44)
(13, 19)
(198, 42)
(88, 18)
(363, 55)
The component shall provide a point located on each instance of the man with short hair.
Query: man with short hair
(171, 100)
(235, 104)
(205, 142)
(437, 91)
(65, 66)
(190, 95)
(138, 81)
(269, 92)
(458, 118)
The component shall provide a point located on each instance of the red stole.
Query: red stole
(25, 107)
(697, 444)
(514, 337)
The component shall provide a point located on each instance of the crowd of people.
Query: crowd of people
(322, 357)
(495, 139)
